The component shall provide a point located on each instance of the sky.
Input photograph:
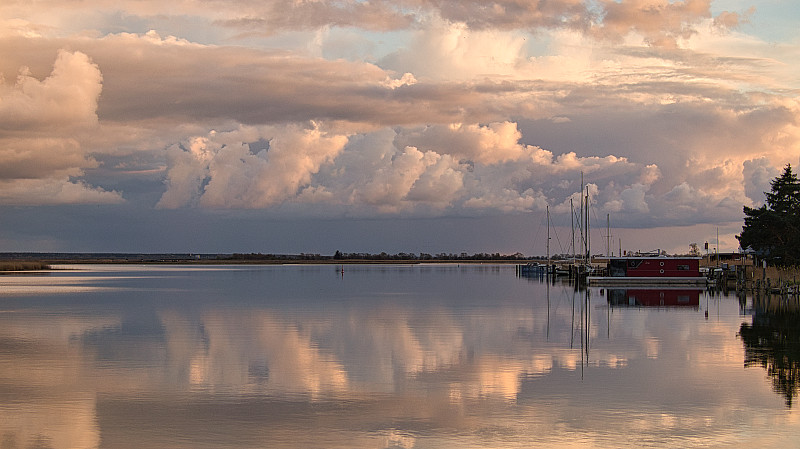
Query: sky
(310, 126)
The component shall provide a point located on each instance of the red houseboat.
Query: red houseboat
(644, 270)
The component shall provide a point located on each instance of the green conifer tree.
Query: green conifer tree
(773, 230)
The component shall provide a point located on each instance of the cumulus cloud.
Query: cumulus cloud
(659, 22)
(487, 144)
(447, 50)
(222, 172)
(41, 123)
(276, 15)
(439, 184)
(188, 169)
(728, 20)
(30, 158)
(159, 81)
(411, 176)
(53, 191)
(407, 79)
(476, 107)
(650, 174)
(477, 156)
(758, 175)
(379, 172)
(508, 200)
(507, 14)
(68, 97)
(631, 199)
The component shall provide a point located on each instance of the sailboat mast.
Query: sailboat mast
(548, 238)
(572, 223)
(583, 228)
(588, 233)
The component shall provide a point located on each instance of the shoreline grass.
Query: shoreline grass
(23, 266)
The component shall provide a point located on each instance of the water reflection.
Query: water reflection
(772, 342)
(654, 297)
(380, 357)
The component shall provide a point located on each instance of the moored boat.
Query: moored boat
(649, 270)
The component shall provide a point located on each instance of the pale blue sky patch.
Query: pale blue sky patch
(770, 20)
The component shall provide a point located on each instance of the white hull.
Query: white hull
(650, 280)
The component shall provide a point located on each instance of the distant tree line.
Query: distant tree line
(383, 256)
(772, 231)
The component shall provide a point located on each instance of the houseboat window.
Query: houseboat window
(662, 264)
(683, 267)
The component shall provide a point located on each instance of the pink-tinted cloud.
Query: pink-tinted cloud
(66, 98)
(41, 122)
(465, 108)
(223, 172)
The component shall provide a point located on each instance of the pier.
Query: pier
(740, 275)
(571, 271)
(758, 280)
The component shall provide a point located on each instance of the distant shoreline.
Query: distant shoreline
(16, 261)
(28, 266)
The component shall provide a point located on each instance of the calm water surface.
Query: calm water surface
(425, 356)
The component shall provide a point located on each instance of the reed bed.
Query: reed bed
(23, 266)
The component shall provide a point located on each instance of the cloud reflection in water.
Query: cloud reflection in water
(384, 357)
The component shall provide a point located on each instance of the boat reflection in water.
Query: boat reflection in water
(387, 356)
(654, 297)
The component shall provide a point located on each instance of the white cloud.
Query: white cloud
(439, 184)
(52, 191)
(188, 168)
(631, 199)
(650, 174)
(481, 110)
(659, 22)
(406, 80)
(451, 51)
(68, 97)
(378, 172)
(758, 174)
(41, 125)
(390, 185)
(508, 200)
(220, 171)
(489, 144)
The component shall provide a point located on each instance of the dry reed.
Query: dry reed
(23, 266)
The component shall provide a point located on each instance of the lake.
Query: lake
(386, 356)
